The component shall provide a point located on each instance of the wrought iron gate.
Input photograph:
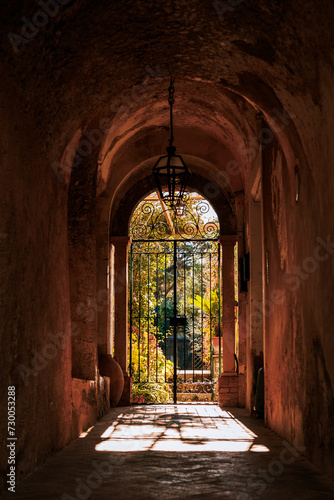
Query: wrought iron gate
(174, 307)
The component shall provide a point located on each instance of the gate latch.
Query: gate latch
(178, 321)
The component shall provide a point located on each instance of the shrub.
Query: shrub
(151, 392)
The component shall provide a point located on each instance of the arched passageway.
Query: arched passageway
(210, 244)
(84, 118)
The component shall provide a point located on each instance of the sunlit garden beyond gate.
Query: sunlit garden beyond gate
(174, 301)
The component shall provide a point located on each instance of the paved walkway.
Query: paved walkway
(185, 451)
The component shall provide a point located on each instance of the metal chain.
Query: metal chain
(171, 101)
(171, 92)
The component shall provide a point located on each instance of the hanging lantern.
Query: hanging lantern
(170, 172)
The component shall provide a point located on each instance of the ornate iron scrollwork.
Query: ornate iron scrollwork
(186, 221)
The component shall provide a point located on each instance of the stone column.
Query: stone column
(120, 278)
(255, 303)
(228, 382)
(228, 243)
(120, 281)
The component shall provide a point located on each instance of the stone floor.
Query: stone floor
(185, 451)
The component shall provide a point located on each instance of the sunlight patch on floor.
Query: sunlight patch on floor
(181, 428)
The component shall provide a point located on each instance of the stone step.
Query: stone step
(181, 397)
(195, 387)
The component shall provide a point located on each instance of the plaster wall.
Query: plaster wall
(298, 259)
(86, 301)
(35, 338)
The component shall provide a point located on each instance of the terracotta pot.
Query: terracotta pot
(109, 367)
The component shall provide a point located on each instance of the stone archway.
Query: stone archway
(119, 239)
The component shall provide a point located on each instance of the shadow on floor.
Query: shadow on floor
(177, 451)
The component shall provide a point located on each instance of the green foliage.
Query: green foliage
(149, 368)
(148, 360)
(209, 305)
(151, 392)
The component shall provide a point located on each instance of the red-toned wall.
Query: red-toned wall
(299, 306)
(261, 56)
(34, 293)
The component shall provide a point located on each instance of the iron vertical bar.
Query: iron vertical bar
(158, 316)
(139, 316)
(148, 315)
(175, 326)
(202, 336)
(184, 312)
(165, 325)
(193, 346)
(131, 302)
(219, 313)
(210, 344)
